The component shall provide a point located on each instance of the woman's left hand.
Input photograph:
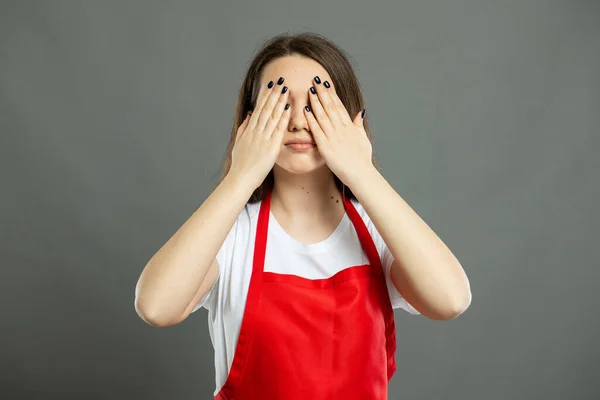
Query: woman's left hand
(343, 143)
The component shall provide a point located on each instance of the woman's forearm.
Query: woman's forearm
(172, 277)
(431, 276)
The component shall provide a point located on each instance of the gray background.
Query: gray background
(114, 117)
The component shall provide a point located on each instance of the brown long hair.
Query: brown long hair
(311, 45)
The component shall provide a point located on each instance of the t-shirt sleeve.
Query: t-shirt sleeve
(224, 259)
(386, 263)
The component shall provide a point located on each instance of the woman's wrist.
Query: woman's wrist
(238, 185)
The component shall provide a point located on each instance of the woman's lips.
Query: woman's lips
(301, 146)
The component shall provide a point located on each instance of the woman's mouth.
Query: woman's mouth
(301, 146)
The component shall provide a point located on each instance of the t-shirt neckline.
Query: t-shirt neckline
(284, 238)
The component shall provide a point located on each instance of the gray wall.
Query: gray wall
(114, 117)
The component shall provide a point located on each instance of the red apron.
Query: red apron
(307, 339)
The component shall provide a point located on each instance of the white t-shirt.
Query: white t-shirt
(226, 300)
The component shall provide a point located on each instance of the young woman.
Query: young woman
(303, 249)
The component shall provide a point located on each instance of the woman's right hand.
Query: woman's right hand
(259, 137)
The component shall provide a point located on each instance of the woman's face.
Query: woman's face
(299, 73)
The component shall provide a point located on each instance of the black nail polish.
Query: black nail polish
(287, 106)
(307, 108)
(285, 88)
(312, 90)
(317, 80)
(327, 85)
(270, 85)
(280, 81)
(363, 113)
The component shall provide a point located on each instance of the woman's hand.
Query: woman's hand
(258, 139)
(343, 143)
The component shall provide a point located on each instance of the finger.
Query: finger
(278, 112)
(315, 128)
(324, 94)
(318, 111)
(279, 132)
(359, 119)
(242, 128)
(264, 94)
(342, 111)
(267, 113)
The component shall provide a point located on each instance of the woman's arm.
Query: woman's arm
(185, 269)
(425, 271)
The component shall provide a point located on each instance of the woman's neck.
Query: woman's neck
(311, 195)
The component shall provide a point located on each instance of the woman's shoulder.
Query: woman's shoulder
(251, 210)
(360, 209)
(247, 219)
(249, 214)
(366, 219)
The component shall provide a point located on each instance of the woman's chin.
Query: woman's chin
(301, 168)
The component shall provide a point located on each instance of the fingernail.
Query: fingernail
(318, 80)
(285, 88)
(363, 113)
(270, 85)
(327, 85)
(312, 90)
(287, 106)
(280, 81)
(307, 108)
